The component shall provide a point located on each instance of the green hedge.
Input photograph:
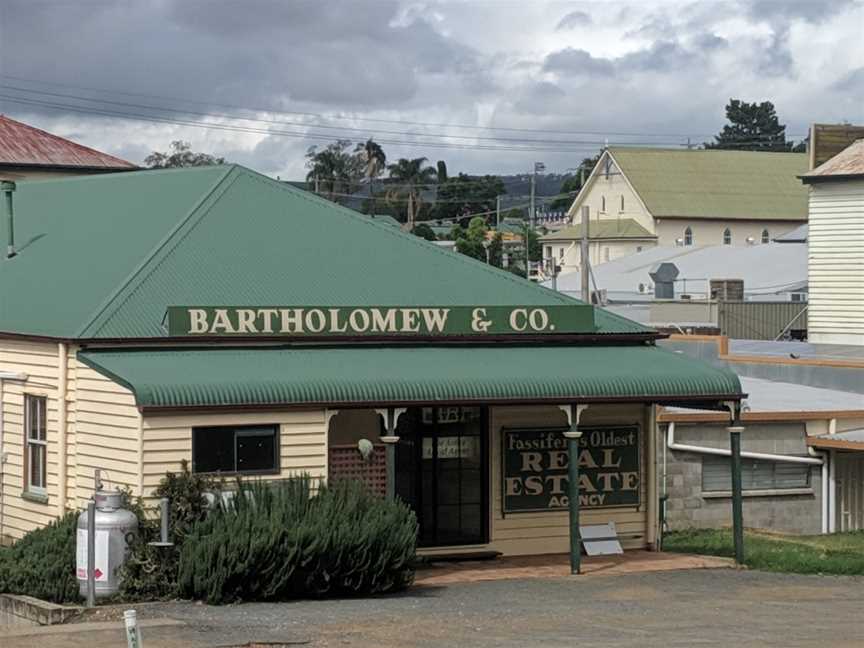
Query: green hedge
(42, 563)
(279, 541)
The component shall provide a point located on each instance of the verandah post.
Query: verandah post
(573, 435)
(737, 498)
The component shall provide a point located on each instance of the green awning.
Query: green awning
(366, 376)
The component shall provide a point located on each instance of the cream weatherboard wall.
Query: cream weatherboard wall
(101, 431)
(167, 441)
(836, 263)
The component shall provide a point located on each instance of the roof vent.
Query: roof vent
(664, 275)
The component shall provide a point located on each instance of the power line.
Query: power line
(355, 118)
(298, 135)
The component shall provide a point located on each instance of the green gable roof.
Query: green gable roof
(715, 183)
(603, 229)
(104, 256)
(410, 375)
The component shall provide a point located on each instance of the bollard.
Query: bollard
(133, 634)
(91, 553)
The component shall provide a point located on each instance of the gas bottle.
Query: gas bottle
(113, 524)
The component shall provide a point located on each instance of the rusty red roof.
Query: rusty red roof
(849, 163)
(23, 145)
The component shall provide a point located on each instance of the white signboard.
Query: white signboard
(101, 561)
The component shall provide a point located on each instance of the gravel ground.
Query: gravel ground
(678, 608)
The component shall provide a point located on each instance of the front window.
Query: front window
(561, 253)
(548, 251)
(603, 204)
(247, 449)
(688, 236)
(727, 237)
(622, 202)
(35, 439)
(765, 236)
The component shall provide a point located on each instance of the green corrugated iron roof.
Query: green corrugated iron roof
(603, 229)
(358, 376)
(716, 183)
(103, 256)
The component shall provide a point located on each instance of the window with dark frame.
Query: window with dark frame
(246, 449)
(35, 437)
(766, 237)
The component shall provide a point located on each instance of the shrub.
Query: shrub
(42, 563)
(279, 541)
(151, 572)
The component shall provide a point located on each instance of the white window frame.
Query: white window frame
(688, 236)
(31, 442)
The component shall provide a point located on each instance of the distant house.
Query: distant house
(687, 198)
(608, 240)
(28, 153)
(836, 239)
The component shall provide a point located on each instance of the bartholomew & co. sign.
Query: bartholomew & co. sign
(378, 321)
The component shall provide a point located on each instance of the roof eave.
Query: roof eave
(816, 179)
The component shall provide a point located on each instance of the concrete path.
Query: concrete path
(670, 609)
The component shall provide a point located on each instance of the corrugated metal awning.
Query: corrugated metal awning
(365, 375)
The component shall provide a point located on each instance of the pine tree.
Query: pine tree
(752, 127)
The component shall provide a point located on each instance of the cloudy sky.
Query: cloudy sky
(489, 86)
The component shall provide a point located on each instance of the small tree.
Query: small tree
(335, 169)
(471, 242)
(424, 231)
(180, 155)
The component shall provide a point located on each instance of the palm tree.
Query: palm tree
(332, 169)
(374, 160)
(414, 177)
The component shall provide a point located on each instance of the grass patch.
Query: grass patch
(839, 553)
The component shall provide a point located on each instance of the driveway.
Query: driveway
(702, 607)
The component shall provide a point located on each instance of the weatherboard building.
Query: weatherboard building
(155, 317)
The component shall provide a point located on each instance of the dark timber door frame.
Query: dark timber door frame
(438, 479)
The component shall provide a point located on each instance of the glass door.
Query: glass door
(442, 463)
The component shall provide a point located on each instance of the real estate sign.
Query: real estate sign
(378, 321)
(535, 463)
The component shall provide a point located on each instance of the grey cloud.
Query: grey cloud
(314, 52)
(661, 56)
(573, 20)
(576, 61)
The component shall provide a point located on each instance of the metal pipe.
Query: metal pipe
(832, 491)
(164, 503)
(682, 447)
(7, 186)
(91, 553)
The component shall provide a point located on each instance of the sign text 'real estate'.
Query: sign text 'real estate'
(349, 321)
(536, 463)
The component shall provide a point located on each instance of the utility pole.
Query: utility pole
(532, 215)
(497, 212)
(583, 254)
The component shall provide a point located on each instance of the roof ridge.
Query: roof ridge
(66, 141)
(142, 266)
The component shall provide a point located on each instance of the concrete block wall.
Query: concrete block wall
(688, 507)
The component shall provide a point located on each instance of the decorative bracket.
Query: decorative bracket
(568, 410)
(390, 416)
(329, 414)
(734, 408)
